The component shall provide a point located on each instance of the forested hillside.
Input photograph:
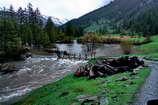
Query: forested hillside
(116, 16)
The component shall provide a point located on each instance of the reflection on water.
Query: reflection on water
(99, 49)
(74, 48)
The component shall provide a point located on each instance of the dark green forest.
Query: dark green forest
(26, 28)
(146, 23)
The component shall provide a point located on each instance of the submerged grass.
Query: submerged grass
(65, 91)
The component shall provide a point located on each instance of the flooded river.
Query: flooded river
(41, 70)
(83, 49)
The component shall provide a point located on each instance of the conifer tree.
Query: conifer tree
(51, 30)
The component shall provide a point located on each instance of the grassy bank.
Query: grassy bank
(66, 91)
(111, 39)
(149, 50)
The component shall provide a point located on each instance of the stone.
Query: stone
(83, 98)
(103, 101)
(122, 79)
(138, 68)
(133, 73)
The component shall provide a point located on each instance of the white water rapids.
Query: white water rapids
(33, 73)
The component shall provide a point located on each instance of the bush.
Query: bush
(91, 38)
(126, 46)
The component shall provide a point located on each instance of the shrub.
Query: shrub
(91, 38)
(126, 46)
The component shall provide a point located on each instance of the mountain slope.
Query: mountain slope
(116, 12)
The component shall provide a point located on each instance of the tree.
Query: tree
(26, 35)
(11, 43)
(70, 30)
(145, 23)
(12, 12)
(37, 18)
(26, 28)
(44, 39)
(30, 14)
(51, 30)
(21, 16)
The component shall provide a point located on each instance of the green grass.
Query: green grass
(65, 91)
(123, 93)
(137, 39)
(150, 47)
(150, 50)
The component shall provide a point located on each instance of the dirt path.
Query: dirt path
(149, 91)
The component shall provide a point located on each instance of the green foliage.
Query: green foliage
(25, 28)
(102, 26)
(11, 43)
(73, 30)
(26, 35)
(146, 22)
(51, 30)
(44, 39)
(8, 34)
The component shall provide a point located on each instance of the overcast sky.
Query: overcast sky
(68, 9)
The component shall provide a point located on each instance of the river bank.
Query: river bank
(114, 39)
(73, 91)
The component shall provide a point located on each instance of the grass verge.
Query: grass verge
(65, 91)
(150, 50)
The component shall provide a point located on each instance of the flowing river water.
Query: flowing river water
(40, 70)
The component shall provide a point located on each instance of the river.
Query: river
(99, 49)
(40, 70)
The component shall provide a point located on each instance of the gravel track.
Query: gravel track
(149, 90)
